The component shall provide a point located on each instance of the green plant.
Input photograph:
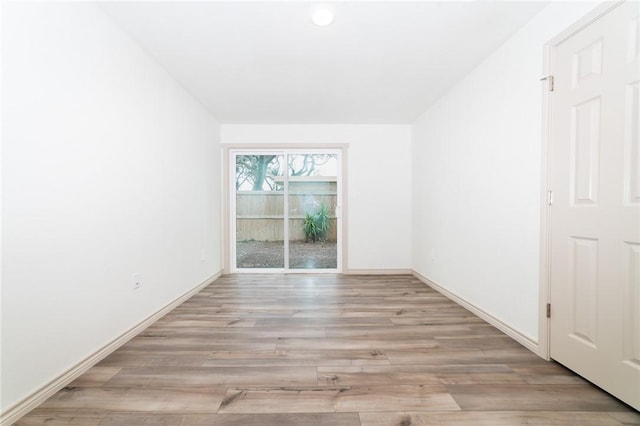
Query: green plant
(316, 225)
(309, 227)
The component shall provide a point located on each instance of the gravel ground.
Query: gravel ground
(270, 254)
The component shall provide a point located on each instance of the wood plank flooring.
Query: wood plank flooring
(330, 350)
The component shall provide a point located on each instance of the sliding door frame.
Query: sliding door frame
(228, 227)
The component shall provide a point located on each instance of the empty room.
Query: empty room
(354, 213)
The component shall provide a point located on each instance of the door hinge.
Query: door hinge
(550, 197)
(550, 78)
(548, 310)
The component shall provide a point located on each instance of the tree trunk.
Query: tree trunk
(262, 164)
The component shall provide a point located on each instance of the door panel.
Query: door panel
(585, 152)
(259, 211)
(631, 322)
(583, 279)
(595, 217)
(632, 146)
(313, 197)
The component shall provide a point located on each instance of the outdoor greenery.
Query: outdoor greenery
(260, 172)
(316, 225)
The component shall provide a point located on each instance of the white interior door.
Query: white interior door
(595, 214)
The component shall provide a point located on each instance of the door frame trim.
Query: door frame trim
(226, 193)
(544, 323)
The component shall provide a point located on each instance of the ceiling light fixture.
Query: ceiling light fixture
(322, 16)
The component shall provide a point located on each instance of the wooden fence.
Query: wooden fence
(260, 214)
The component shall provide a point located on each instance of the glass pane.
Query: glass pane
(260, 211)
(313, 165)
(312, 215)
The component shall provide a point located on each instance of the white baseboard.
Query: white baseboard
(17, 411)
(377, 272)
(516, 335)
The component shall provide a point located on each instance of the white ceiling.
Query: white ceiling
(265, 62)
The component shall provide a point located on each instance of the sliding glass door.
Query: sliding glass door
(312, 200)
(286, 205)
(259, 205)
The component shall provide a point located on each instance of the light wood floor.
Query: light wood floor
(310, 350)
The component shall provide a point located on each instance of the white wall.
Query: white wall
(109, 168)
(476, 178)
(379, 184)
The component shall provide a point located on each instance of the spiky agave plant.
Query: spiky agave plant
(310, 228)
(322, 222)
(316, 226)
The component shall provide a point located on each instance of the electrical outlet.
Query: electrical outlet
(203, 255)
(136, 280)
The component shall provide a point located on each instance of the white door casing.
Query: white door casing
(594, 222)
